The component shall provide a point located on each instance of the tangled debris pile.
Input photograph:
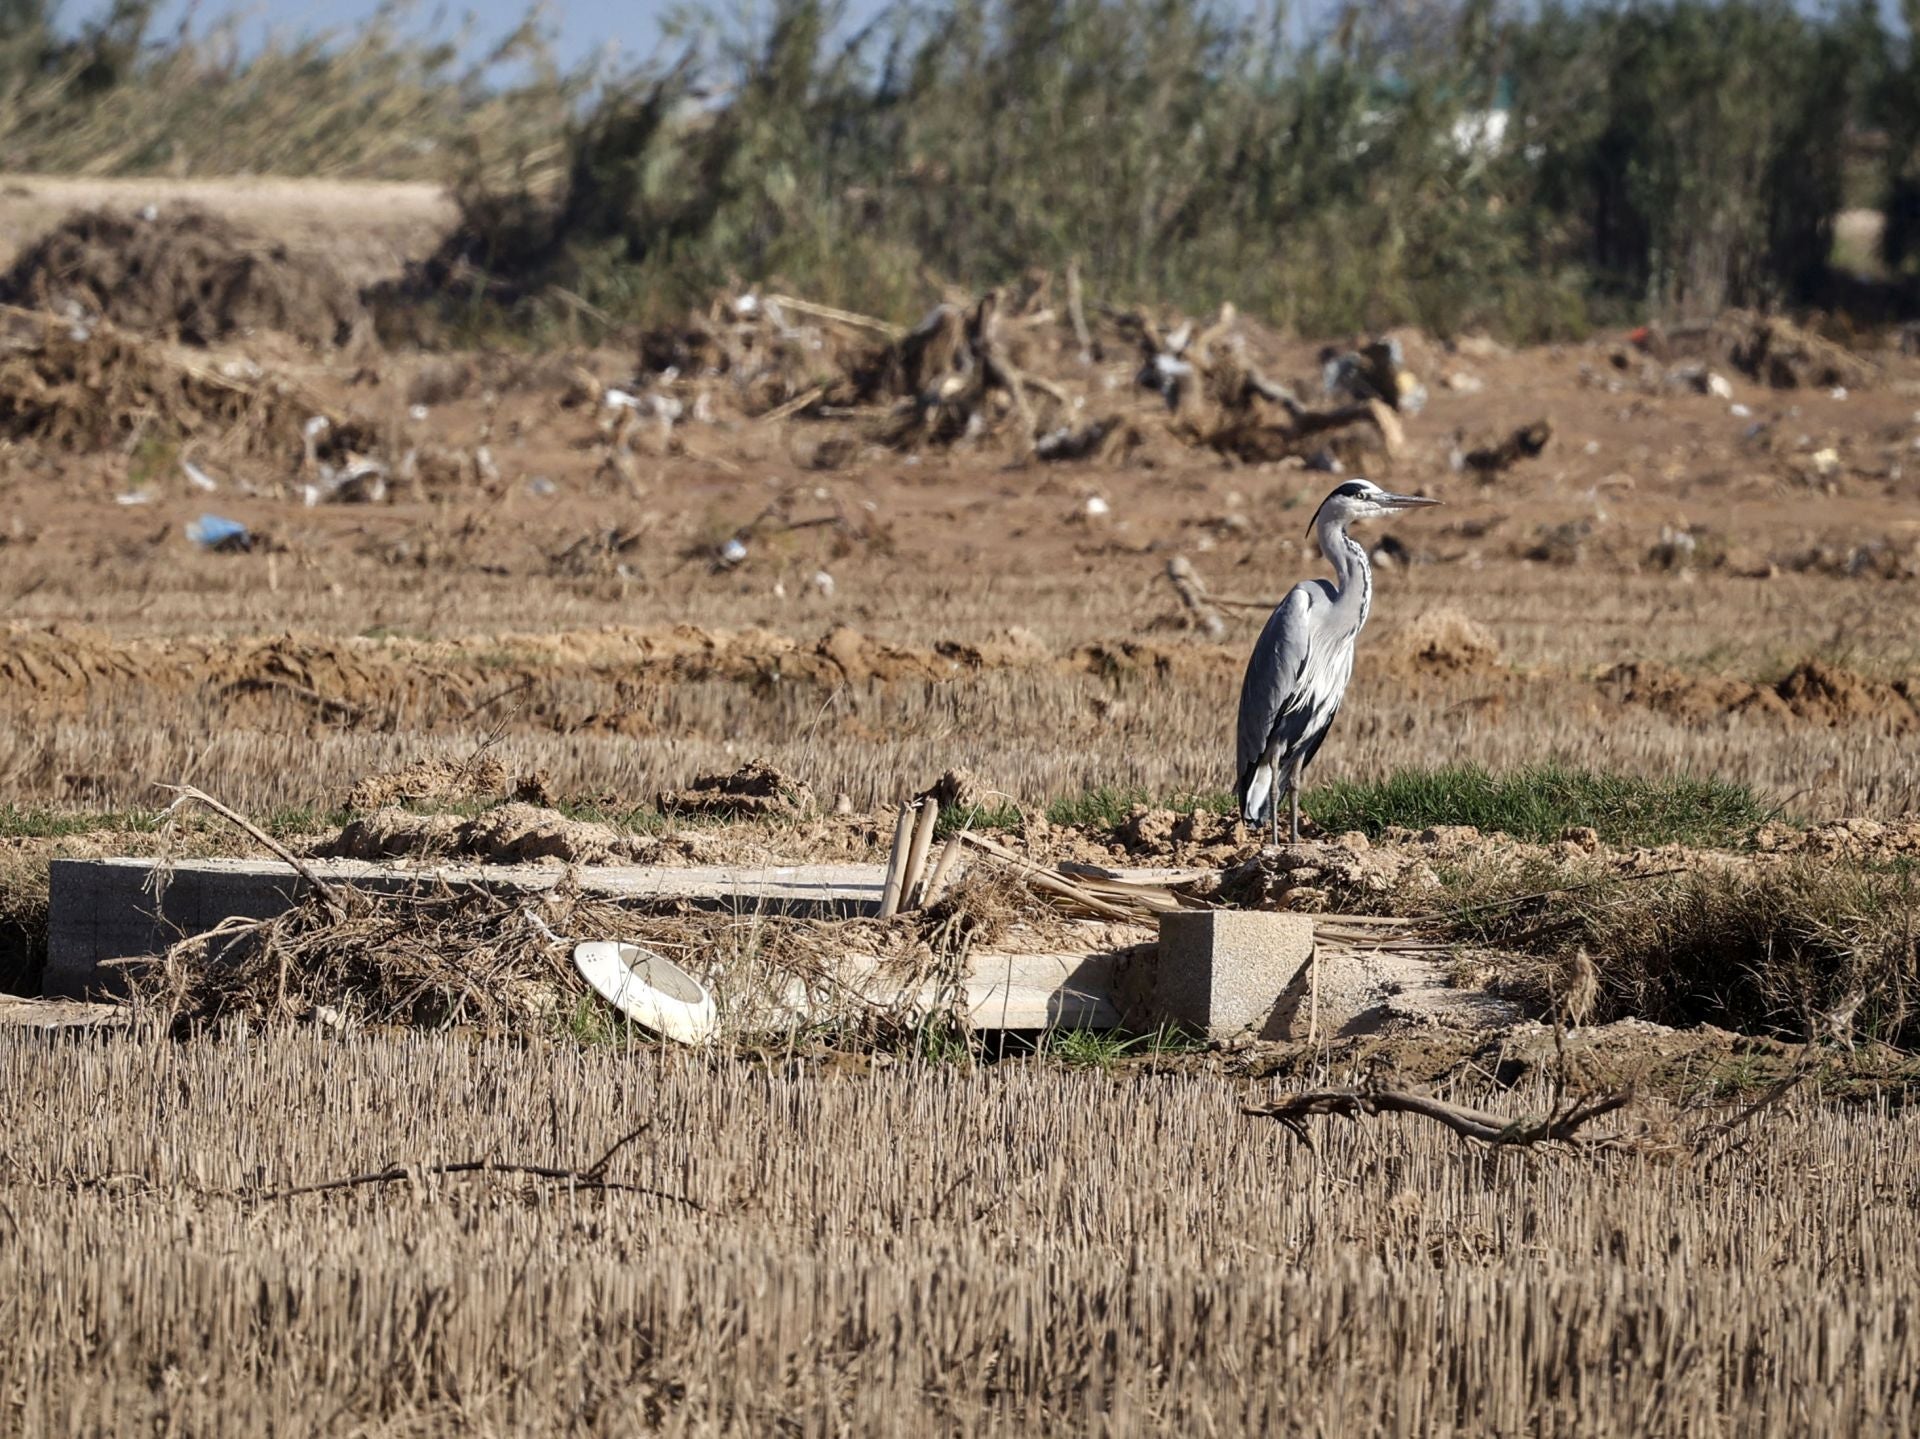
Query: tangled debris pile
(82, 388)
(182, 273)
(1013, 367)
(1766, 348)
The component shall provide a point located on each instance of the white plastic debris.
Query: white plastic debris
(542, 486)
(1719, 386)
(733, 552)
(649, 989)
(198, 477)
(417, 413)
(1593, 447)
(1097, 508)
(619, 400)
(1739, 412)
(133, 497)
(1826, 461)
(149, 213)
(1838, 392)
(823, 582)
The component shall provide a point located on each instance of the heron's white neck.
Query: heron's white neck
(1352, 574)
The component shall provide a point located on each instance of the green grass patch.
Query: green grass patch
(1540, 804)
(1104, 1048)
(17, 823)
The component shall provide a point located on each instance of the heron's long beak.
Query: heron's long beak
(1406, 502)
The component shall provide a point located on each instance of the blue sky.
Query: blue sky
(628, 29)
(581, 28)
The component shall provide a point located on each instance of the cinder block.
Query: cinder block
(1222, 972)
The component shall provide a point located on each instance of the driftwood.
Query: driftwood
(1559, 1126)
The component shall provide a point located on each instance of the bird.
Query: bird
(1300, 667)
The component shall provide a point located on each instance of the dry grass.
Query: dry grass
(985, 1251)
(1035, 734)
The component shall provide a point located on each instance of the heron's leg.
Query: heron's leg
(1293, 803)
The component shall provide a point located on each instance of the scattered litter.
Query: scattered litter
(823, 582)
(1719, 386)
(134, 497)
(649, 989)
(1826, 461)
(542, 486)
(1740, 412)
(732, 553)
(1838, 392)
(1097, 508)
(417, 413)
(217, 532)
(198, 477)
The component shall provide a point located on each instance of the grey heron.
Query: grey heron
(1299, 670)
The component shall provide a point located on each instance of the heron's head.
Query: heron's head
(1363, 500)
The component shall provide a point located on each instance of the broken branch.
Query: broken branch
(1476, 1124)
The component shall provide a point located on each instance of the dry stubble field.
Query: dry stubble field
(1670, 588)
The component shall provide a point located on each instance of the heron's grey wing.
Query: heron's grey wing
(1271, 691)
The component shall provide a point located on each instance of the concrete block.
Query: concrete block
(1222, 972)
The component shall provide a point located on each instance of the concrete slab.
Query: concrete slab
(105, 909)
(1367, 990)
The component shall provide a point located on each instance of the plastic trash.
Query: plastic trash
(198, 477)
(733, 552)
(217, 532)
(649, 989)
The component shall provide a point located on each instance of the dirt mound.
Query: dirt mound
(1814, 693)
(428, 781)
(185, 274)
(1868, 839)
(1827, 695)
(514, 833)
(753, 789)
(1446, 642)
